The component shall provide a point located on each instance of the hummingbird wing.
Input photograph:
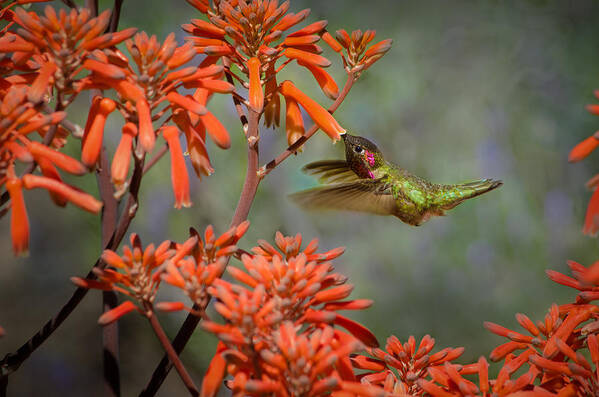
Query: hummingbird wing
(364, 195)
(331, 171)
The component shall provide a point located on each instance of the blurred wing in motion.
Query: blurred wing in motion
(331, 171)
(363, 195)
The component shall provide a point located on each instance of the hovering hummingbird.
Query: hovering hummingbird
(366, 182)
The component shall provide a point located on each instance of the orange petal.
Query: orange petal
(147, 138)
(195, 142)
(508, 333)
(299, 41)
(79, 198)
(215, 374)
(40, 85)
(180, 74)
(330, 40)
(319, 316)
(214, 85)
(583, 149)
(217, 131)
(308, 57)
(108, 40)
(186, 102)
(40, 122)
(181, 56)
(214, 71)
(49, 171)
(290, 20)
(113, 259)
(379, 48)
(294, 123)
(122, 155)
(256, 93)
(591, 220)
(320, 115)
(201, 5)
(357, 304)
(358, 330)
(218, 50)
(170, 306)
(593, 346)
(63, 161)
(333, 294)
(503, 350)
(20, 152)
(313, 28)
(179, 176)
(6, 45)
(105, 69)
(199, 157)
(126, 89)
(116, 313)
(594, 109)
(19, 223)
(207, 29)
(564, 280)
(204, 42)
(372, 364)
(325, 81)
(92, 144)
(343, 38)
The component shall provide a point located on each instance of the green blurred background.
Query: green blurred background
(469, 90)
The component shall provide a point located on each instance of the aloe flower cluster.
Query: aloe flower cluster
(260, 37)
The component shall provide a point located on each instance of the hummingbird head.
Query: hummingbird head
(362, 156)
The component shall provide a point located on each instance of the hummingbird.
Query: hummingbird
(366, 182)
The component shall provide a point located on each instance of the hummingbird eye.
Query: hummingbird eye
(358, 149)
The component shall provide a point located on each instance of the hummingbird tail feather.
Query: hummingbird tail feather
(480, 187)
(469, 190)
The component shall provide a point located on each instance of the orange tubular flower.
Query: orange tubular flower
(320, 115)
(136, 274)
(294, 123)
(49, 171)
(584, 148)
(196, 147)
(77, 197)
(92, 141)
(122, 156)
(272, 110)
(179, 176)
(147, 138)
(19, 224)
(63, 161)
(256, 93)
(325, 81)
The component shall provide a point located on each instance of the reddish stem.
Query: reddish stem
(172, 355)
